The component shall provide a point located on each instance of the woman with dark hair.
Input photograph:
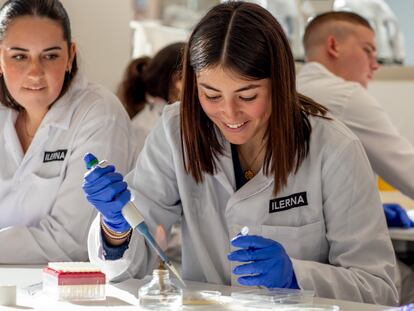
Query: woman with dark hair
(150, 83)
(49, 115)
(245, 149)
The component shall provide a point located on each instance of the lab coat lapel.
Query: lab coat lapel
(37, 143)
(259, 183)
(225, 171)
(58, 117)
(61, 113)
(11, 139)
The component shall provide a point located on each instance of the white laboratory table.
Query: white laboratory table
(123, 296)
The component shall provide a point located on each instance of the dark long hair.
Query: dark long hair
(154, 76)
(246, 39)
(52, 9)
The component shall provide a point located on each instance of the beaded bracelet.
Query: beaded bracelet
(114, 235)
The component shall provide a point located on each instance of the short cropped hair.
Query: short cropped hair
(323, 25)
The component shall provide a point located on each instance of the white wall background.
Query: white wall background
(404, 10)
(397, 98)
(101, 30)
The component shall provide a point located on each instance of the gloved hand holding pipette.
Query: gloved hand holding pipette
(108, 193)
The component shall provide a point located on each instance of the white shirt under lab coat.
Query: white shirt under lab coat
(390, 154)
(44, 215)
(338, 241)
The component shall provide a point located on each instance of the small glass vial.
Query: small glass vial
(160, 293)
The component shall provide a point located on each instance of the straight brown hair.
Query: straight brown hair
(246, 39)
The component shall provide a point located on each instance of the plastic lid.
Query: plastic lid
(90, 160)
(73, 267)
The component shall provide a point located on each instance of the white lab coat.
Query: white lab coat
(390, 154)
(147, 117)
(338, 242)
(44, 215)
(143, 123)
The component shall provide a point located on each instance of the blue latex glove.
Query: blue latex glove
(268, 266)
(108, 193)
(397, 216)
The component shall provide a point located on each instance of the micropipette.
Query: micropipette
(135, 219)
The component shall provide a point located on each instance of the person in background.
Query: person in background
(243, 148)
(340, 61)
(150, 83)
(50, 115)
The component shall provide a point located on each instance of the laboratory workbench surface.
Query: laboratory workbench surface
(123, 296)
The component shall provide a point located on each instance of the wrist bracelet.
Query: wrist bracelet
(114, 235)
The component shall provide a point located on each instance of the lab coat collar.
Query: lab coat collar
(61, 112)
(225, 171)
(259, 183)
(317, 69)
(11, 139)
(225, 175)
(59, 116)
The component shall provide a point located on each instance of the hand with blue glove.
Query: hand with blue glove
(397, 216)
(107, 192)
(268, 264)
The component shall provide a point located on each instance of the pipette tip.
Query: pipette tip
(173, 270)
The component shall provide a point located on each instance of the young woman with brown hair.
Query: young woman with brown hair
(245, 149)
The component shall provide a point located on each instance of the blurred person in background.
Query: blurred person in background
(341, 60)
(151, 83)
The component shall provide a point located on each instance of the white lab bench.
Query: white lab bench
(123, 296)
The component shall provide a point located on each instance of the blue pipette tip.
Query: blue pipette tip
(90, 160)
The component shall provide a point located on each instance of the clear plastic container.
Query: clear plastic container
(307, 307)
(275, 297)
(73, 282)
(160, 293)
(201, 297)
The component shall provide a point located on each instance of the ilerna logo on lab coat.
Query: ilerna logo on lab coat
(285, 203)
(58, 155)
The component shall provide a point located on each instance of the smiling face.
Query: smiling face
(357, 55)
(240, 108)
(34, 58)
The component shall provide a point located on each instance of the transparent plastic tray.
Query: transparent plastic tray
(306, 307)
(203, 297)
(274, 296)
